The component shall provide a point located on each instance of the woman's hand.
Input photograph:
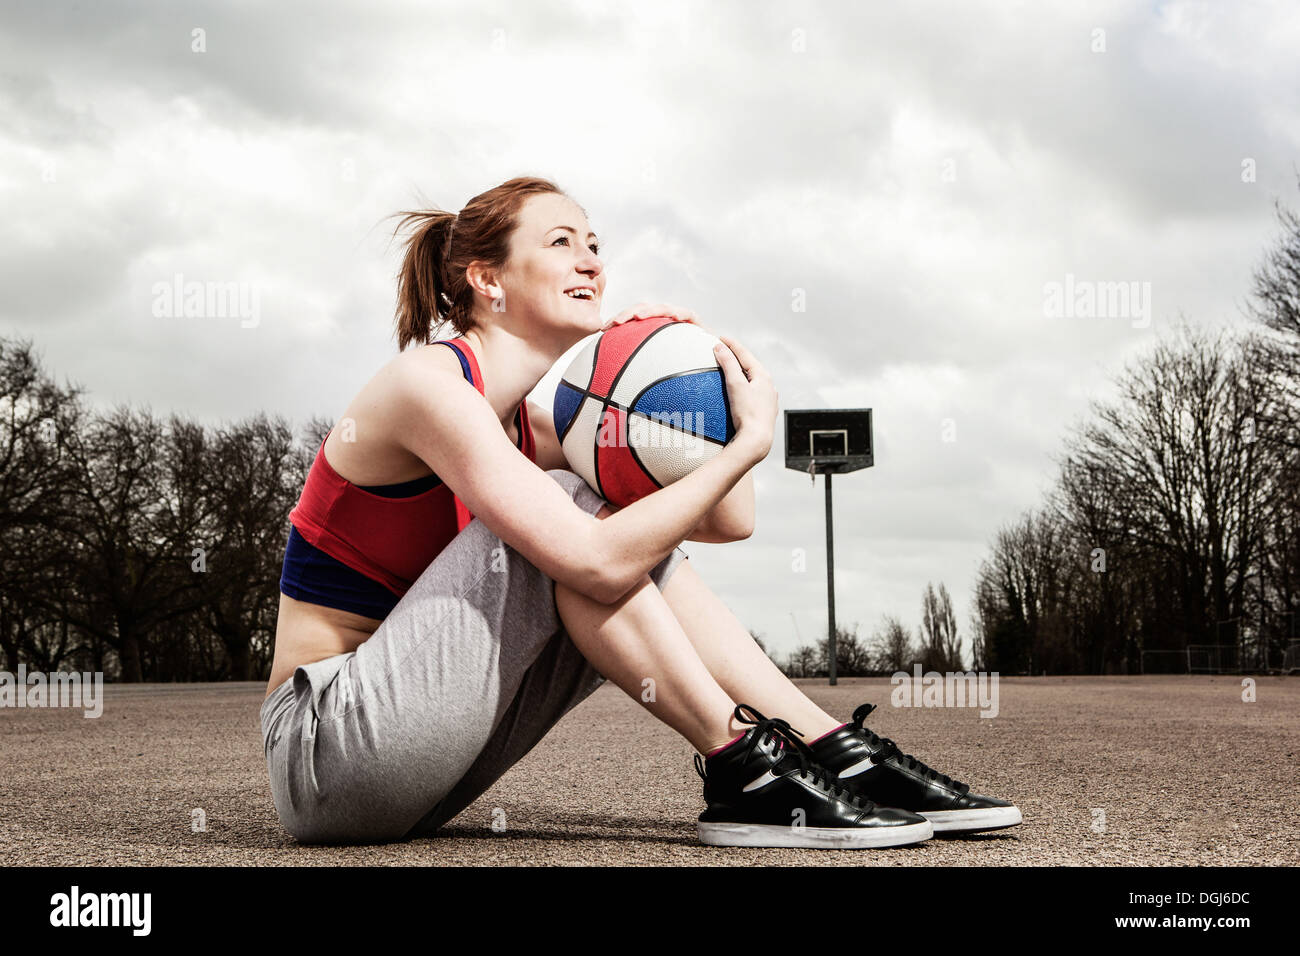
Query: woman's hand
(751, 394)
(648, 310)
(750, 391)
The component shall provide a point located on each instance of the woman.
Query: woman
(447, 597)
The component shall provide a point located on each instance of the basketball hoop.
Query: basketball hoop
(840, 440)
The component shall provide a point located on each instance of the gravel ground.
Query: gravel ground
(1184, 771)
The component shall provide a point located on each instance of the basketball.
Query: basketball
(643, 404)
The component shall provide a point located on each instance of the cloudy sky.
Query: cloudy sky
(923, 172)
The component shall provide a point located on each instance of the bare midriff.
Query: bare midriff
(306, 633)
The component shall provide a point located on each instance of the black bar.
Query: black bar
(439, 905)
(830, 576)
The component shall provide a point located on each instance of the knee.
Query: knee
(576, 486)
(567, 479)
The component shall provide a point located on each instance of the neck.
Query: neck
(511, 366)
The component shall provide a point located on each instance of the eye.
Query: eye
(594, 247)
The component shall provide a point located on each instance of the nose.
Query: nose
(590, 265)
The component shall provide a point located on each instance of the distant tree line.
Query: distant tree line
(890, 648)
(1174, 519)
(142, 547)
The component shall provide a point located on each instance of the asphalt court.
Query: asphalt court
(1135, 771)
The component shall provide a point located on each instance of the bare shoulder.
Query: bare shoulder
(395, 400)
(425, 360)
(421, 375)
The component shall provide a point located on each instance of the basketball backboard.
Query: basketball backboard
(828, 440)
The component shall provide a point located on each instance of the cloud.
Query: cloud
(911, 176)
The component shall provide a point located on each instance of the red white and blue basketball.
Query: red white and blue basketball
(643, 404)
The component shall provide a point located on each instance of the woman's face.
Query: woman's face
(553, 256)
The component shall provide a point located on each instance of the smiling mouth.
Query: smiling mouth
(585, 295)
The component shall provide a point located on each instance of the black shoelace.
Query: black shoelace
(883, 749)
(774, 728)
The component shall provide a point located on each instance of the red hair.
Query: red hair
(432, 288)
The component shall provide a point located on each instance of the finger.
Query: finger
(676, 313)
(618, 319)
(746, 358)
(653, 310)
(627, 315)
(725, 356)
(650, 310)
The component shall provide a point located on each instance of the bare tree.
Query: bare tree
(892, 648)
(128, 533)
(251, 480)
(940, 648)
(1275, 305)
(1191, 475)
(852, 657)
(1275, 353)
(37, 417)
(805, 662)
(1157, 530)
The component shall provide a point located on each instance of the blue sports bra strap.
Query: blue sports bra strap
(464, 362)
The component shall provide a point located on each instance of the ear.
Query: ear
(483, 280)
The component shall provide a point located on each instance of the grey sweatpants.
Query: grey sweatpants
(466, 674)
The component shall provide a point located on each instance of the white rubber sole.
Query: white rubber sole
(837, 838)
(972, 821)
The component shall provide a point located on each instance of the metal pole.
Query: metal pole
(830, 578)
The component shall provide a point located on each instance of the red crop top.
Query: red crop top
(390, 540)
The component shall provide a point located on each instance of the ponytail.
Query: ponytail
(421, 281)
(432, 287)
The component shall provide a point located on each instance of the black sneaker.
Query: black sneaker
(762, 793)
(877, 770)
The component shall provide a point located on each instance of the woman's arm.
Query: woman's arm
(634, 539)
(731, 519)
